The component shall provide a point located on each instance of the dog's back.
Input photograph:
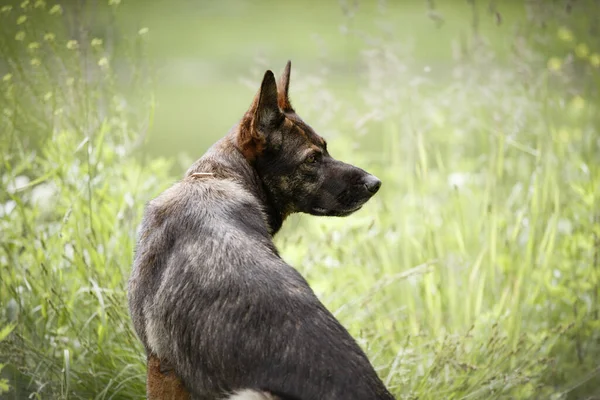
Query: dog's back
(210, 296)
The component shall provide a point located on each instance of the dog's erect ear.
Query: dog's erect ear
(283, 98)
(263, 115)
(266, 111)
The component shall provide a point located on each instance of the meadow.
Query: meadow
(473, 274)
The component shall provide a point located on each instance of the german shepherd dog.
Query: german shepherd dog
(220, 313)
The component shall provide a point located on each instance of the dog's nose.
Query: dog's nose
(372, 184)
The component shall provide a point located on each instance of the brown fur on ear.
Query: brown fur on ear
(163, 385)
(251, 143)
(283, 98)
(263, 112)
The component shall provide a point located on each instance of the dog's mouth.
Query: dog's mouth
(340, 199)
(334, 213)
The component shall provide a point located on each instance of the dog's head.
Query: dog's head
(293, 161)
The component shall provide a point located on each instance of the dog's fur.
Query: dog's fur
(219, 312)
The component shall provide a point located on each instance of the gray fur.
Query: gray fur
(209, 292)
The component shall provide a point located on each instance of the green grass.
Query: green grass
(473, 274)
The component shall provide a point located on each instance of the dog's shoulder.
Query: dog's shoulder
(193, 198)
(198, 211)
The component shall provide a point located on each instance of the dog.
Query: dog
(220, 313)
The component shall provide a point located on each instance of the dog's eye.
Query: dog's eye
(311, 159)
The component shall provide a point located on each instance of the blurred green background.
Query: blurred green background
(473, 274)
(208, 55)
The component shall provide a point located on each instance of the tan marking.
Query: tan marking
(201, 174)
(250, 141)
(302, 132)
(288, 123)
(163, 386)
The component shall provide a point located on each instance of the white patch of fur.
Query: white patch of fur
(250, 395)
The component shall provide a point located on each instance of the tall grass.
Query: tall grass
(72, 120)
(473, 274)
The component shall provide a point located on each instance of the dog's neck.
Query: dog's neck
(222, 161)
